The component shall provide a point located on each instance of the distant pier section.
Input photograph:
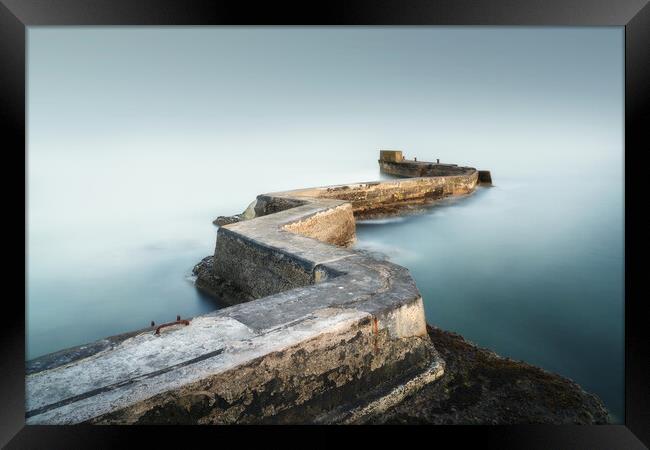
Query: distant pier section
(318, 332)
(393, 162)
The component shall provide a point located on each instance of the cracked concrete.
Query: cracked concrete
(322, 330)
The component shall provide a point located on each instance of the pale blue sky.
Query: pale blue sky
(139, 136)
(137, 103)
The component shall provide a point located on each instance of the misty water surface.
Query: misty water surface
(528, 270)
(138, 138)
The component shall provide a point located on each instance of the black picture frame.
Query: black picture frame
(634, 15)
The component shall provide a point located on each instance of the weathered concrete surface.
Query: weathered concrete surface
(393, 163)
(221, 289)
(258, 257)
(330, 331)
(70, 355)
(480, 387)
(248, 363)
(318, 334)
(391, 155)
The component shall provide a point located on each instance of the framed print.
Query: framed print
(326, 220)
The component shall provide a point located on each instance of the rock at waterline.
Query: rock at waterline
(481, 387)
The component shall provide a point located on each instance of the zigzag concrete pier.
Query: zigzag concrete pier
(321, 333)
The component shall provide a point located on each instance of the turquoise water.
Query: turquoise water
(528, 270)
(138, 137)
(531, 268)
(111, 246)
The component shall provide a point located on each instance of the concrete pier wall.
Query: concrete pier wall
(386, 197)
(329, 330)
(254, 255)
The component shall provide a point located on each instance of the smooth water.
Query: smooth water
(137, 138)
(528, 270)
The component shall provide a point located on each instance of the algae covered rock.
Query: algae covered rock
(481, 387)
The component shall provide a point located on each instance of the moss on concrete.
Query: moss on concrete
(481, 387)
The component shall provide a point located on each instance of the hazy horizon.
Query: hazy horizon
(138, 137)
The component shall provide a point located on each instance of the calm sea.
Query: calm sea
(528, 270)
(138, 137)
(531, 268)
